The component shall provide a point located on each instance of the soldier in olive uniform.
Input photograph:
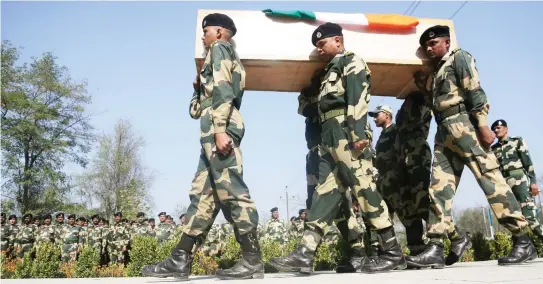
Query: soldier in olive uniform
(463, 138)
(275, 229)
(71, 239)
(141, 226)
(118, 240)
(519, 173)
(13, 230)
(83, 233)
(164, 231)
(58, 227)
(296, 230)
(4, 235)
(46, 232)
(24, 241)
(95, 236)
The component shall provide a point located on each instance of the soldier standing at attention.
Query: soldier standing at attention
(58, 226)
(218, 183)
(26, 236)
(46, 232)
(70, 237)
(518, 170)
(4, 233)
(463, 138)
(275, 229)
(118, 240)
(141, 227)
(96, 238)
(342, 106)
(13, 230)
(164, 230)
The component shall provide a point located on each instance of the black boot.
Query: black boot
(357, 259)
(458, 248)
(177, 265)
(250, 266)
(523, 251)
(432, 256)
(390, 258)
(416, 249)
(300, 260)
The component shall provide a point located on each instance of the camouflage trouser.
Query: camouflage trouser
(456, 145)
(340, 168)
(345, 219)
(521, 189)
(22, 249)
(4, 245)
(116, 254)
(69, 252)
(218, 184)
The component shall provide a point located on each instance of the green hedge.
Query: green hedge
(45, 262)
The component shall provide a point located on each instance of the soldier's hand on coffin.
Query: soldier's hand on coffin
(223, 143)
(360, 145)
(486, 137)
(534, 190)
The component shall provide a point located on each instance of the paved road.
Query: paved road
(465, 273)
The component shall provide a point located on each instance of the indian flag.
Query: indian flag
(377, 22)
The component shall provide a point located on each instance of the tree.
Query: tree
(117, 180)
(44, 126)
(179, 209)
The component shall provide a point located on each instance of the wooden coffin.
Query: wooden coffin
(278, 55)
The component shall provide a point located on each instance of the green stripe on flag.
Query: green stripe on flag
(297, 14)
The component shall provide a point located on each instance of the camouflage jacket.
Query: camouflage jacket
(27, 234)
(386, 150)
(513, 154)
(456, 81)
(4, 236)
(164, 232)
(58, 232)
(222, 82)
(332, 236)
(95, 237)
(119, 234)
(296, 230)
(226, 231)
(346, 87)
(414, 117)
(308, 107)
(13, 231)
(142, 228)
(214, 234)
(275, 231)
(46, 233)
(71, 234)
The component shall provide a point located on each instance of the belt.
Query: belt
(440, 116)
(206, 103)
(331, 113)
(514, 172)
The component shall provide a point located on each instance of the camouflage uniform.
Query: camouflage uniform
(275, 231)
(164, 232)
(517, 168)
(13, 231)
(24, 241)
(46, 233)
(218, 183)
(95, 238)
(71, 239)
(118, 239)
(459, 106)
(296, 231)
(343, 117)
(142, 228)
(331, 238)
(4, 234)
(212, 243)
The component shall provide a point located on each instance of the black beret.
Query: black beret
(324, 31)
(292, 218)
(151, 219)
(168, 216)
(12, 216)
(47, 216)
(71, 216)
(433, 32)
(182, 215)
(161, 213)
(220, 20)
(95, 216)
(273, 209)
(118, 214)
(140, 214)
(499, 122)
(27, 215)
(103, 219)
(60, 214)
(301, 211)
(82, 219)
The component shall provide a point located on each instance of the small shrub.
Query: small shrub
(67, 269)
(537, 243)
(270, 249)
(23, 267)
(482, 248)
(8, 267)
(468, 256)
(231, 254)
(502, 245)
(87, 263)
(113, 270)
(203, 265)
(144, 251)
(47, 262)
(324, 258)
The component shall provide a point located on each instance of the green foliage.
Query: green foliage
(325, 257)
(483, 249)
(502, 245)
(88, 261)
(538, 243)
(164, 249)
(203, 265)
(231, 254)
(47, 262)
(269, 250)
(23, 269)
(143, 252)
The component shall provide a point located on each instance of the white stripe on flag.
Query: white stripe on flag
(356, 19)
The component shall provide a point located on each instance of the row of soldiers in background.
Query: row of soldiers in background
(113, 241)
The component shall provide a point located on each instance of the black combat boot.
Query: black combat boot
(250, 266)
(357, 259)
(177, 265)
(432, 256)
(523, 251)
(390, 257)
(300, 260)
(458, 247)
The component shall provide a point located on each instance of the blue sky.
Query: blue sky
(138, 59)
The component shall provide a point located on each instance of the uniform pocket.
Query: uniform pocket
(486, 161)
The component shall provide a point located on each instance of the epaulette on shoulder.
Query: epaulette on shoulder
(515, 138)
